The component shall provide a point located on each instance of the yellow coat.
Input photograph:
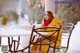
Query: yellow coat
(55, 22)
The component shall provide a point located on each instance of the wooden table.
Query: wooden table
(14, 31)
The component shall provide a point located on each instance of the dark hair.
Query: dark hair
(50, 13)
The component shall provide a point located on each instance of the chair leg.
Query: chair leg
(48, 49)
(66, 50)
(53, 50)
(29, 49)
(59, 50)
(40, 46)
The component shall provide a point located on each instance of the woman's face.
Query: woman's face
(46, 17)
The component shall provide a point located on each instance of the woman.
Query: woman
(49, 20)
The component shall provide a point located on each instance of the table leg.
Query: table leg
(13, 43)
(0, 41)
(14, 46)
(18, 42)
(9, 44)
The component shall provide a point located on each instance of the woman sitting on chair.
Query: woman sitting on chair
(49, 20)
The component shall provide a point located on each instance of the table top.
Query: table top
(9, 31)
(17, 30)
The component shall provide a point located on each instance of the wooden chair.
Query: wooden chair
(41, 32)
(67, 29)
(66, 34)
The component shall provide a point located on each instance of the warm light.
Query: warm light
(42, 3)
(34, 5)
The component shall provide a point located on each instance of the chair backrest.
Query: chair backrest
(46, 33)
(67, 31)
(67, 27)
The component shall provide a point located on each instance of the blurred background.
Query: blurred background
(67, 10)
(13, 9)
